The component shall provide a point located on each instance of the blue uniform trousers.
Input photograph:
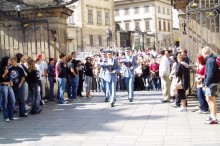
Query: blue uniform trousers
(129, 83)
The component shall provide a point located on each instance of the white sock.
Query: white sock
(213, 117)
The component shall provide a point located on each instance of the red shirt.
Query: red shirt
(154, 67)
(201, 70)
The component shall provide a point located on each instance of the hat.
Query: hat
(39, 56)
(109, 52)
(103, 52)
(128, 49)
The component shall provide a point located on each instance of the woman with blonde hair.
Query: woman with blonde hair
(182, 73)
(32, 80)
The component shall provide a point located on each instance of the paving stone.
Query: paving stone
(91, 122)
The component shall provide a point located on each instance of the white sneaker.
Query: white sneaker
(7, 120)
(182, 109)
(27, 108)
(202, 112)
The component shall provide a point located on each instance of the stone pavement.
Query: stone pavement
(91, 122)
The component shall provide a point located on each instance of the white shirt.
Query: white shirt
(164, 69)
(42, 67)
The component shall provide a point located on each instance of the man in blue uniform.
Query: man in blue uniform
(112, 68)
(103, 65)
(130, 64)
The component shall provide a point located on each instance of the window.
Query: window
(99, 17)
(90, 17)
(168, 11)
(116, 12)
(159, 11)
(164, 10)
(147, 10)
(107, 19)
(100, 40)
(147, 25)
(127, 26)
(148, 42)
(164, 26)
(71, 19)
(136, 10)
(169, 26)
(136, 25)
(159, 25)
(91, 40)
(127, 11)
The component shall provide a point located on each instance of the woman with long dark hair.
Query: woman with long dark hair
(8, 98)
(89, 76)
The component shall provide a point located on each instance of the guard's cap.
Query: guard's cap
(128, 49)
(109, 52)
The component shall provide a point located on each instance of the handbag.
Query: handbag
(178, 84)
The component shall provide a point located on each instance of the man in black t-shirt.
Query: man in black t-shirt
(17, 77)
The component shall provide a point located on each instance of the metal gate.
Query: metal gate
(202, 26)
(26, 34)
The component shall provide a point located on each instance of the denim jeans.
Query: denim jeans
(8, 101)
(0, 101)
(129, 83)
(51, 81)
(62, 87)
(35, 97)
(202, 100)
(111, 89)
(98, 84)
(19, 96)
(103, 86)
(72, 86)
(155, 83)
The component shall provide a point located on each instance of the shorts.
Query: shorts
(210, 91)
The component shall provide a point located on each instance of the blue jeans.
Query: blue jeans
(111, 89)
(72, 86)
(0, 101)
(35, 97)
(8, 101)
(129, 83)
(51, 81)
(202, 100)
(103, 86)
(98, 84)
(62, 87)
(19, 96)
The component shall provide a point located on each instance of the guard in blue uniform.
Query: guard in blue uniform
(103, 65)
(112, 69)
(129, 65)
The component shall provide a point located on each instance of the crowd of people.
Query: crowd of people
(23, 80)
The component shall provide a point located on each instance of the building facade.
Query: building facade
(88, 25)
(143, 23)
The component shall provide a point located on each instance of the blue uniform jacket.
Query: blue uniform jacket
(112, 76)
(127, 72)
(103, 68)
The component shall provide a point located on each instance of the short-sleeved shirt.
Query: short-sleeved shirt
(70, 66)
(74, 62)
(154, 67)
(6, 78)
(16, 74)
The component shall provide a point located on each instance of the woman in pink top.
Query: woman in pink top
(200, 76)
